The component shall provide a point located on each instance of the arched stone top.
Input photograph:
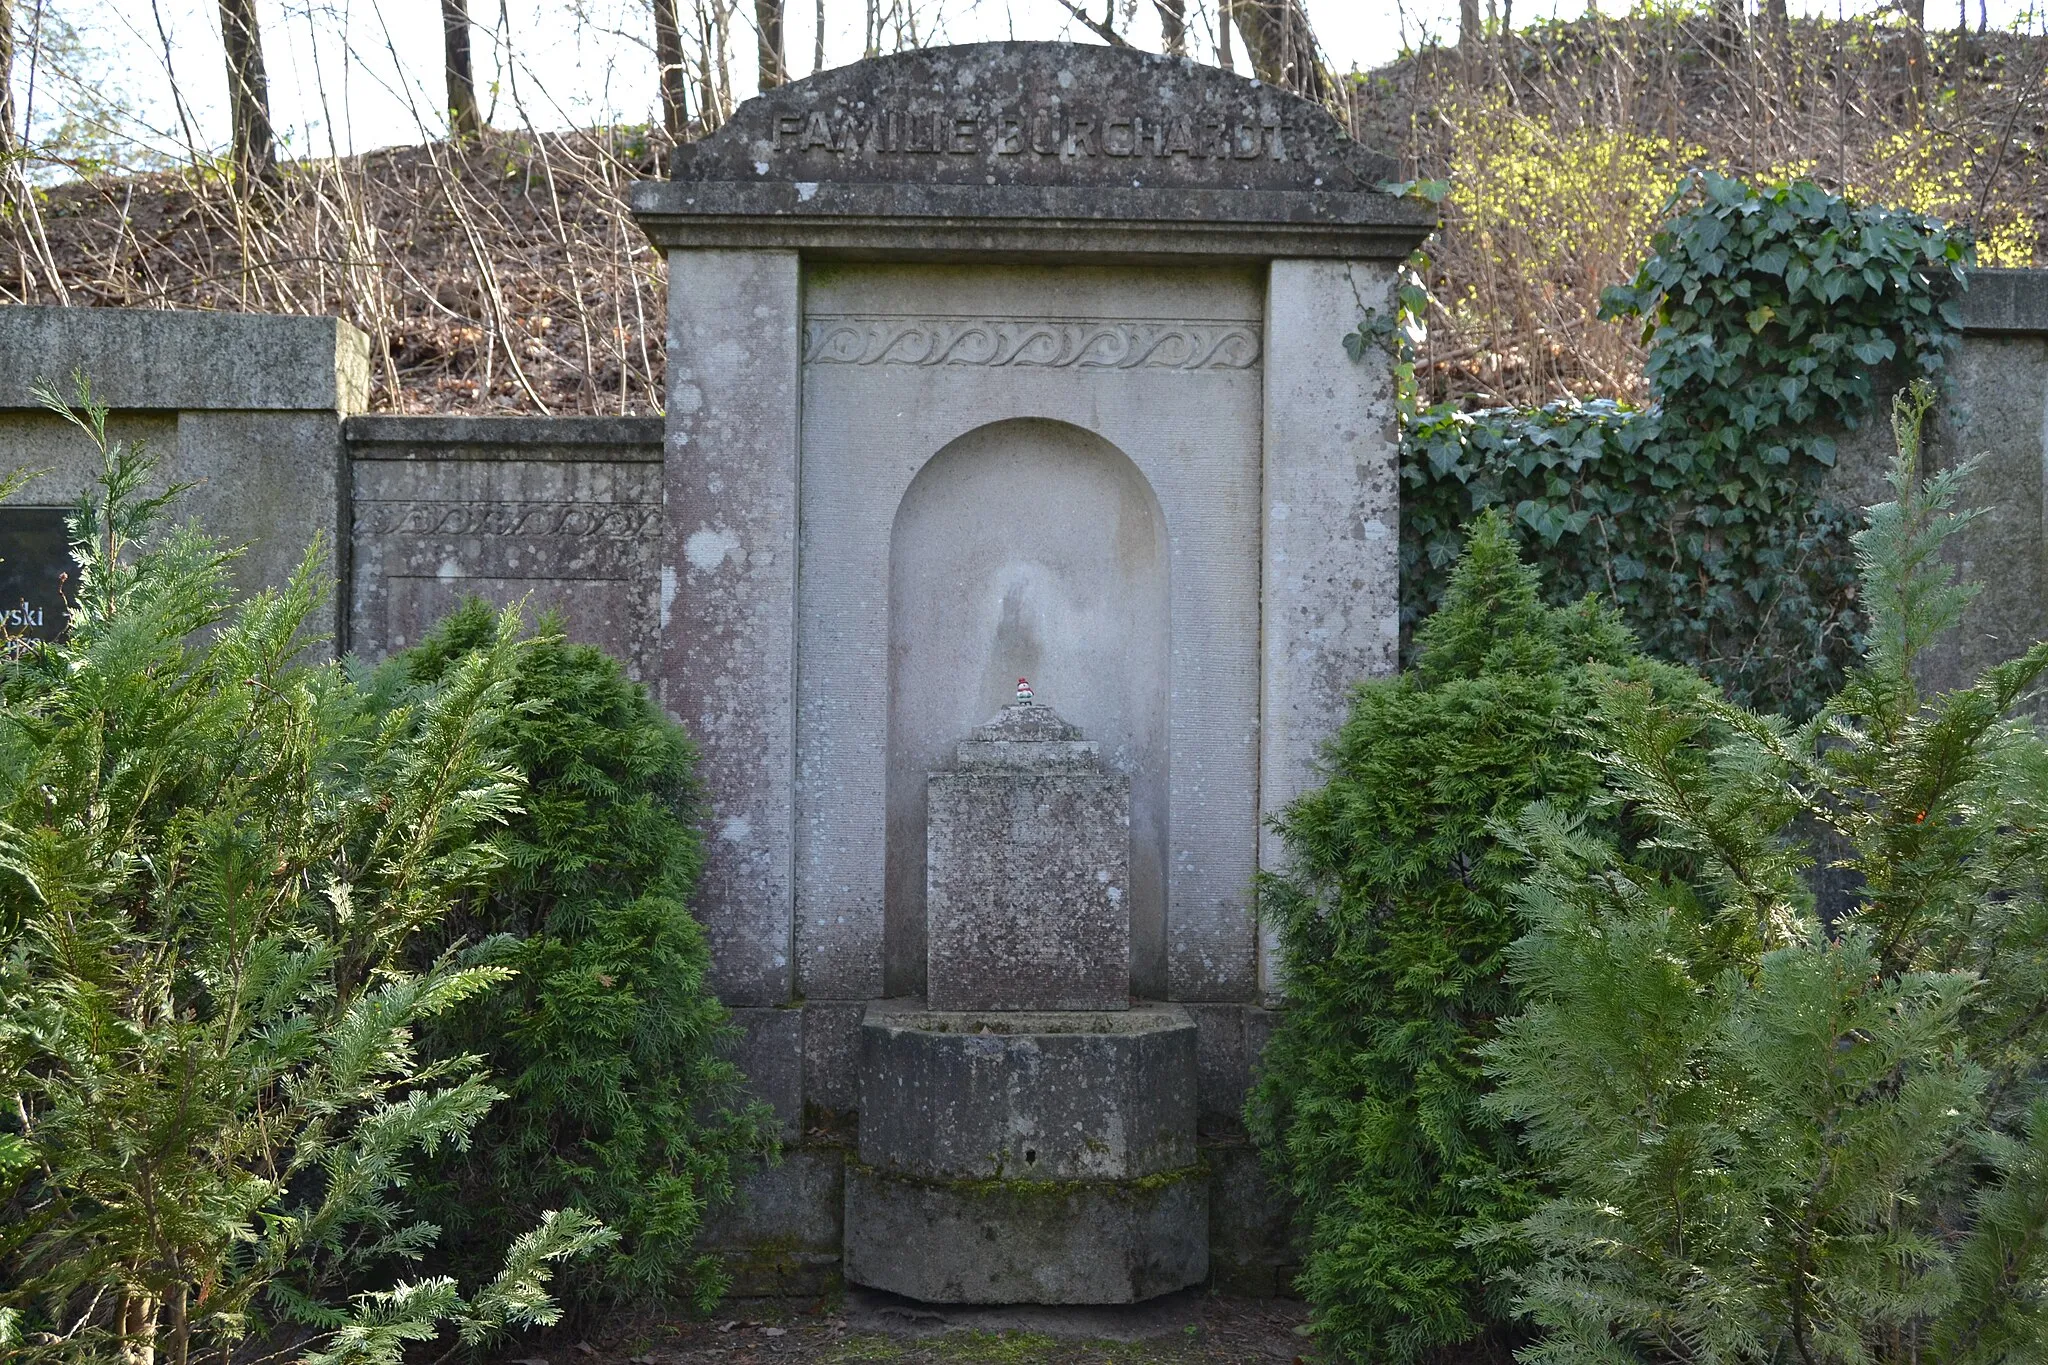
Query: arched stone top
(1021, 149)
(1036, 114)
(976, 441)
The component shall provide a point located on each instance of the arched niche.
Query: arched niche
(1036, 549)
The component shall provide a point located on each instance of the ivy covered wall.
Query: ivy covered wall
(1708, 517)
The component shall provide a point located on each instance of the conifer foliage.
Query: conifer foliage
(607, 1040)
(1778, 1135)
(213, 861)
(1395, 919)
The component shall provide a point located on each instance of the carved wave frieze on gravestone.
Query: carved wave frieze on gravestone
(1031, 343)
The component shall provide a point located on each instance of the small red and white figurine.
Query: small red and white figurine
(1023, 692)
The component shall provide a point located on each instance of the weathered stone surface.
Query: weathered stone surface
(782, 1231)
(244, 407)
(1259, 1024)
(160, 360)
(728, 601)
(2006, 301)
(270, 480)
(1255, 1236)
(1027, 872)
(1996, 411)
(606, 440)
(995, 147)
(832, 1037)
(1121, 575)
(562, 513)
(770, 1052)
(1016, 1241)
(1332, 612)
(1052, 1096)
(1222, 1075)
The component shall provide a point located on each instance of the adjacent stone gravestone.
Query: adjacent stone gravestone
(35, 571)
(999, 360)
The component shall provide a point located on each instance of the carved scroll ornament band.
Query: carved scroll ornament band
(1049, 343)
(436, 517)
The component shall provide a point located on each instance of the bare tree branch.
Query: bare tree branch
(1100, 30)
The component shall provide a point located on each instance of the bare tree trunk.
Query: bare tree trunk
(768, 28)
(138, 1329)
(1471, 32)
(248, 90)
(1915, 12)
(1173, 26)
(818, 45)
(1225, 58)
(675, 72)
(463, 119)
(721, 29)
(1727, 29)
(1282, 45)
(10, 141)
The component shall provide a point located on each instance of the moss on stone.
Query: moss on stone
(1039, 1190)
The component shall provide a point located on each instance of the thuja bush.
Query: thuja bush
(215, 860)
(606, 1040)
(1704, 517)
(1778, 1135)
(1394, 919)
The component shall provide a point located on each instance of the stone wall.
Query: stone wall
(247, 409)
(561, 514)
(1997, 410)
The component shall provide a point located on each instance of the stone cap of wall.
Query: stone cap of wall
(1033, 150)
(156, 359)
(2009, 301)
(616, 440)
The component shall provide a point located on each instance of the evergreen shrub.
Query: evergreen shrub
(1777, 1135)
(606, 1040)
(215, 861)
(1704, 518)
(1394, 920)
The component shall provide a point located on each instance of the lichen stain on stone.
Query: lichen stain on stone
(709, 548)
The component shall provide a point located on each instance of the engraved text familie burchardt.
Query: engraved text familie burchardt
(1045, 132)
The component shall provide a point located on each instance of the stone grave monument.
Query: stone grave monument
(1002, 360)
(1028, 1135)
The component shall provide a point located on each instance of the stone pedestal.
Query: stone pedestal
(1027, 872)
(1013, 1157)
(1022, 1241)
(1028, 1137)
(1027, 1096)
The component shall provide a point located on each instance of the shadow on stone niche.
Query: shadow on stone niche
(1068, 587)
(1255, 1237)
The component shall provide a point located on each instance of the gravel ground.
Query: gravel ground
(861, 1328)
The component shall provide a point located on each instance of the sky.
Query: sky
(351, 75)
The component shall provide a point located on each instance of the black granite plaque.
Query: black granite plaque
(35, 571)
